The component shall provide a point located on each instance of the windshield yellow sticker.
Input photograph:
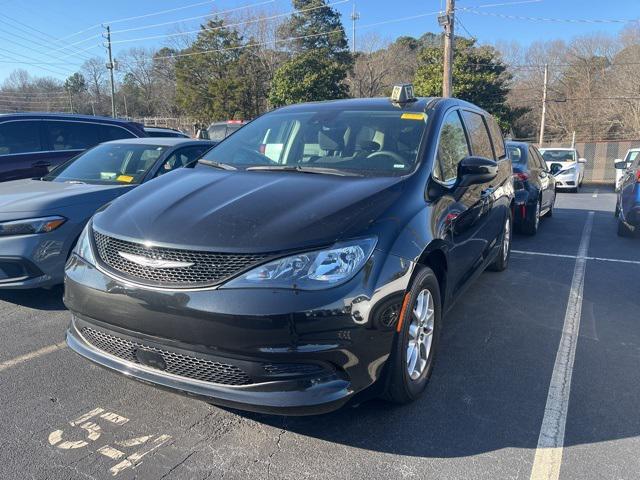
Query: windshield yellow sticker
(125, 178)
(412, 116)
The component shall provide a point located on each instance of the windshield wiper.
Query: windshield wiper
(213, 163)
(301, 169)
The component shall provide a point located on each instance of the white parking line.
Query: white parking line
(595, 194)
(30, 356)
(559, 255)
(548, 458)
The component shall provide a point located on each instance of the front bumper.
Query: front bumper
(567, 181)
(343, 330)
(33, 261)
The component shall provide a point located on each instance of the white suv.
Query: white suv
(566, 165)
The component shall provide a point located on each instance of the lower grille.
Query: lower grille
(176, 363)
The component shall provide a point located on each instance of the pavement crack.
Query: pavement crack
(277, 447)
(177, 465)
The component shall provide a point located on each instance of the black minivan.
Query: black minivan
(31, 144)
(310, 257)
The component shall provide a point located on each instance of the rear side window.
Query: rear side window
(536, 154)
(112, 132)
(62, 135)
(20, 137)
(452, 148)
(496, 136)
(478, 135)
(218, 132)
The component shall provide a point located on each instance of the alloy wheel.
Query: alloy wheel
(506, 241)
(420, 334)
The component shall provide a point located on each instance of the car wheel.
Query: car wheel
(623, 230)
(530, 226)
(549, 213)
(415, 345)
(502, 260)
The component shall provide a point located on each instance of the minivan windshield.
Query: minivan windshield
(559, 155)
(362, 142)
(109, 163)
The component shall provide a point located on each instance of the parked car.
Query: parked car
(535, 187)
(292, 284)
(628, 201)
(621, 166)
(31, 144)
(566, 165)
(218, 131)
(40, 219)
(164, 132)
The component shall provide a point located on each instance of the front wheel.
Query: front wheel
(623, 230)
(416, 343)
(502, 260)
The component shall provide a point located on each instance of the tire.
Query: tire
(404, 386)
(530, 226)
(549, 214)
(623, 230)
(502, 260)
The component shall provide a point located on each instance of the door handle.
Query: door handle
(41, 163)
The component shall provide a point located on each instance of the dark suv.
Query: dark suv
(31, 144)
(310, 255)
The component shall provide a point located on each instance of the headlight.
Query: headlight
(310, 270)
(29, 226)
(83, 246)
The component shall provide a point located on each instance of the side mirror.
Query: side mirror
(582, 160)
(474, 170)
(620, 164)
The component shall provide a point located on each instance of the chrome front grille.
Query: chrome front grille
(204, 268)
(176, 363)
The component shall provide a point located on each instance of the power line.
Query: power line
(550, 19)
(199, 17)
(227, 25)
(120, 20)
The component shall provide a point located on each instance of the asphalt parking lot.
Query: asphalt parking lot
(565, 314)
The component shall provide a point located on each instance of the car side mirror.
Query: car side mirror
(474, 170)
(582, 160)
(620, 165)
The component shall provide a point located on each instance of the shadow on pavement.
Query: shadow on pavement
(39, 299)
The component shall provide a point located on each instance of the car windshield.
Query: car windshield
(558, 155)
(631, 156)
(517, 155)
(109, 163)
(363, 142)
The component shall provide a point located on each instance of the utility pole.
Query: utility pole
(70, 99)
(573, 140)
(544, 104)
(447, 22)
(111, 67)
(355, 16)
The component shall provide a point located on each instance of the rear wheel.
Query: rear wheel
(530, 226)
(502, 260)
(623, 230)
(416, 343)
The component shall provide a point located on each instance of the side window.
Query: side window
(478, 135)
(71, 135)
(496, 136)
(181, 158)
(20, 137)
(218, 132)
(452, 148)
(543, 164)
(111, 132)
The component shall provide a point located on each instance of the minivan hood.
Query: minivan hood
(214, 210)
(37, 195)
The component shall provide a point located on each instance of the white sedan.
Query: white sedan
(566, 165)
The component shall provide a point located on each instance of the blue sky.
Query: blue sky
(38, 31)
